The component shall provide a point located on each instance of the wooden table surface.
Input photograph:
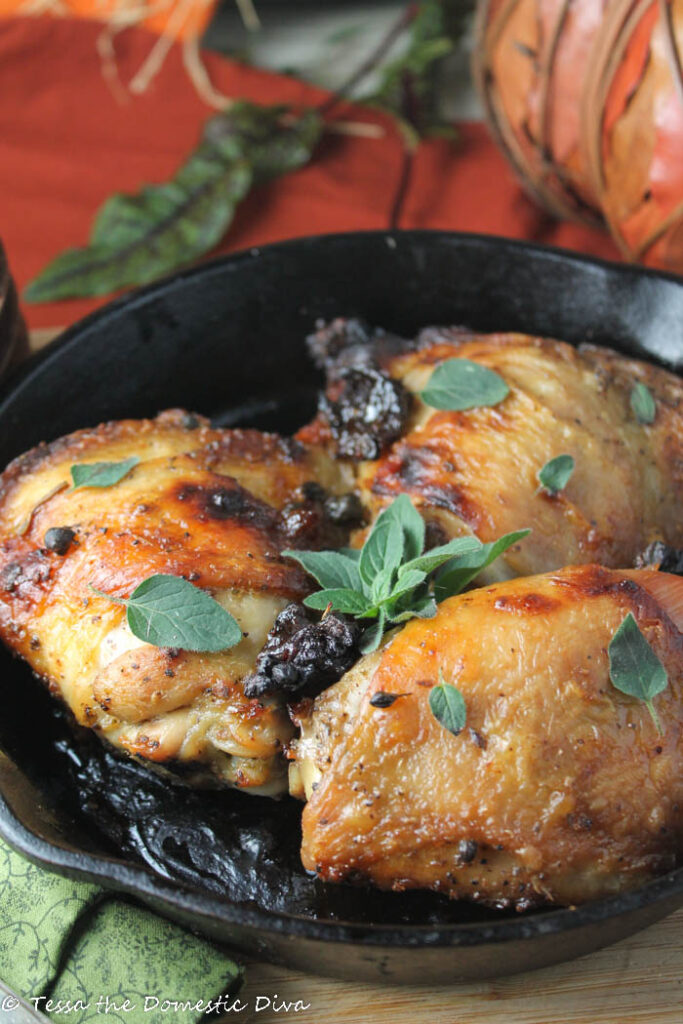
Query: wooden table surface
(637, 980)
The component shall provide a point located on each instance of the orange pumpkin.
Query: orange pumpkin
(586, 98)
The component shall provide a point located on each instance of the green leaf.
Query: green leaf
(372, 637)
(437, 556)
(138, 238)
(167, 611)
(642, 403)
(423, 607)
(556, 474)
(151, 233)
(382, 585)
(332, 569)
(460, 384)
(412, 524)
(383, 548)
(406, 584)
(459, 572)
(634, 668)
(407, 86)
(101, 474)
(447, 704)
(342, 599)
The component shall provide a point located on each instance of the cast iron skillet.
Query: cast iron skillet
(227, 339)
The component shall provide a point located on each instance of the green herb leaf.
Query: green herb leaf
(423, 607)
(634, 668)
(137, 238)
(407, 85)
(383, 582)
(342, 599)
(372, 637)
(383, 548)
(437, 556)
(556, 474)
(447, 704)
(412, 524)
(167, 611)
(642, 403)
(458, 573)
(460, 384)
(101, 474)
(332, 569)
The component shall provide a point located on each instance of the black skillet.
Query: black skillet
(227, 339)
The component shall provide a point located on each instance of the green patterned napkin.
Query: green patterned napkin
(71, 941)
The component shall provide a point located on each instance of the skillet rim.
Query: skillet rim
(139, 880)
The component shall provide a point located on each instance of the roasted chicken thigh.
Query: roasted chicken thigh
(559, 787)
(476, 470)
(214, 507)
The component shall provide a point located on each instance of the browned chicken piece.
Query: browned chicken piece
(558, 789)
(213, 506)
(476, 471)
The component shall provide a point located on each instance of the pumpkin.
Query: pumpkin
(586, 99)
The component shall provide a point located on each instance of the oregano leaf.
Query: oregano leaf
(168, 611)
(457, 573)
(556, 473)
(447, 704)
(459, 384)
(643, 404)
(101, 474)
(634, 668)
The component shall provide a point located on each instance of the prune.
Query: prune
(659, 554)
(368, 412)
(331, 344)
(302, 655)
(315, 519)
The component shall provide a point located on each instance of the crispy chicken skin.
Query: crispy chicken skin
(476, 471)
(558, 789)
(213, 506)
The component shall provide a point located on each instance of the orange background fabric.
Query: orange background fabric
(67, 142)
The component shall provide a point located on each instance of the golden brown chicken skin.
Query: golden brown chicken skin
(476, 471)
(214, 507)
(558, 789)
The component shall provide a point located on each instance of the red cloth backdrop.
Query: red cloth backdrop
(66, 143)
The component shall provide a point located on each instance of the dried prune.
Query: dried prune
(369, 411)
(302, 656)
(659, 554)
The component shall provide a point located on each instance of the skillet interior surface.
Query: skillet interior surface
(227, 339)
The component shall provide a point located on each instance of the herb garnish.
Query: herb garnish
(101, 474)
(634, 668)
(447, 704)
(642, 403)
(167, 611)
(556, 474)
(391, 578)
(458, 384)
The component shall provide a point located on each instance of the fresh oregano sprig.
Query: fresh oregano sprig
(392, 579)
(634, 668)
(168, 611)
